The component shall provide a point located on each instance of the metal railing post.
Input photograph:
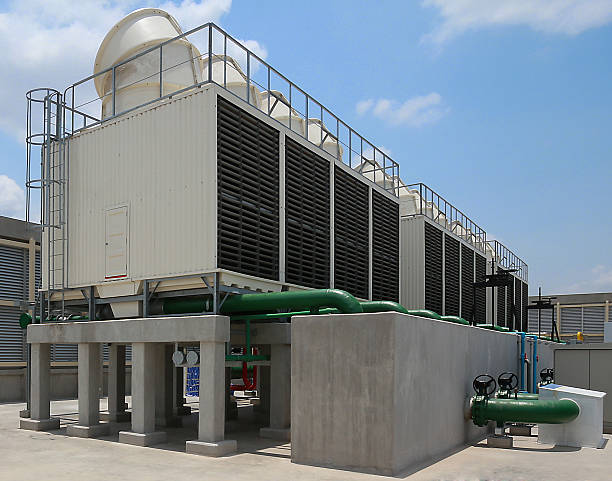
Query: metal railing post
(161, 88)
(210, 53)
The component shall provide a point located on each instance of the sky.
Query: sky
(504, 108)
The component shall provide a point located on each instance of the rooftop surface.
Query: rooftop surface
(28, 455)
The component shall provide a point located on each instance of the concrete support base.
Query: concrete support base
(120, 417)
(519, 430)
(219, 448)
(499, 441)
(142, 439)
(39, 424)
(24, 413)
(278, 434)
(87, 431)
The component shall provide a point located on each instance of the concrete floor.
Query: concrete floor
(28, 455)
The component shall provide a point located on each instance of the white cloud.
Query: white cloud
(569, 17)
(598, 279)
(12, 198)
(414, 112)
(54, 42)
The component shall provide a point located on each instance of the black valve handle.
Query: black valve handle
(508, 381)
(484, 385)
(547, 375)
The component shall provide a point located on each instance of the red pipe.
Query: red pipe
(248, 386)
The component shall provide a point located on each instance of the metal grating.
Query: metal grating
(467, 282)
(385, 248)
(247, 193)
(307, 200)
(13, 273)
(481, 293)
(11, 335)
(451, 276)
(501, 306)
(433, 268)
(510, 305)
(351, 234)
(518, 303)
(524, 303)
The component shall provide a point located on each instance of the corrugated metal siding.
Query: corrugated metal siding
(481, 293)
(11, 335)
(162, 164)
(433, 268)
(593, 320)
(385, 248)
(351, 234)
(451, 276)
(467, 282)
(307, 217)
(412, 258)
(13, 273)
(248, 193)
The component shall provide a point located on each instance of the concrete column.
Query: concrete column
(211, 424)
(40, 401)
(164, 392)
(89, 393)
(143, 398)
(116, 384)
(280, 394)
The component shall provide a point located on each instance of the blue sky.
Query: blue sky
(504, 110)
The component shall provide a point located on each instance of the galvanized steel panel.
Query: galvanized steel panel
(571, 320)
(13, 273)
(162, 164)
(546, 322)
(412, 262)
(593, 319)
(11, 335)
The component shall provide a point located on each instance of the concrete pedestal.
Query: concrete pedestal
(519, 430)
(39, 424)
(219, 448)
(116, 384)
(280, 394)
(101, 429)
(278, 434)
(142, 439)
(123, 417)
(499, 441)
(165, 389)
(24, 413)
(40, 403)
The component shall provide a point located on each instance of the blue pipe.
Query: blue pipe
(522, 376)
(534, 364)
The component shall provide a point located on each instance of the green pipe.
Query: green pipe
(456, 320)
(25, 319)
(185, 305)
(493, 327)
(383, 306)
(312, 300)
(279, 315)
(424, 313)
(523, 411)
(519, 396)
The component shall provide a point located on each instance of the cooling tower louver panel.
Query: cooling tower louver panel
(510, 305)
(248, 193)
(385, 248)
(524, 302)
(351, 234)
(481, 293)
(451, 276)
(433, 268)
(467, 282)
(501, 306)
(518, 304)
(307, 194)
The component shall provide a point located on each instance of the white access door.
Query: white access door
(116, 248)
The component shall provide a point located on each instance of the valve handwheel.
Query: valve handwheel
(484, 385)
(507, 381)
(547, 375)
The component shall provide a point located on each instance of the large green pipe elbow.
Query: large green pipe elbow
(424, 313)
(456, 320)
(523, 411)
(383, 306)
(312, 300)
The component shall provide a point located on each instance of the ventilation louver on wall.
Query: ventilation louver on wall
(307, 193)
(481, 292)
(467, 282)
(451, 276)
(433, 268)
(248, 192)
(385, 248)
(351, 234)
(501, 306)
(510, 306)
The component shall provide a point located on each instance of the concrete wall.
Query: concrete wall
(64, 384)
(381, 392)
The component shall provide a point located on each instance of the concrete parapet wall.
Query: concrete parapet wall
(381, 392)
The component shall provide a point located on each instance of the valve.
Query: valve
(484, 385)
(547, 376)
(508, 382)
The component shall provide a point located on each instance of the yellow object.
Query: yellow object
(579, 336)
